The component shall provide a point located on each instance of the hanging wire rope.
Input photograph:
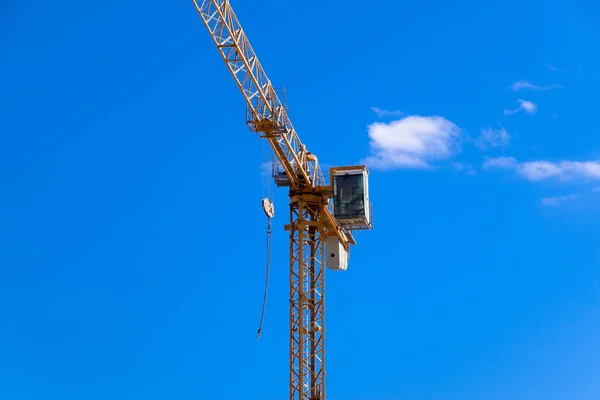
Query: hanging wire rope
(262, 316)
(268, 208)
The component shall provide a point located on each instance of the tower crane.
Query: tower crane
(323, 215)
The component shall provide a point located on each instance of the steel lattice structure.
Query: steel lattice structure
(307, 300)
(311, 216)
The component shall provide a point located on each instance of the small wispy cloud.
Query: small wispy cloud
(386, 113)
(553, 68)
(524, 105)
(545, 170)
(596, 189)
(500, 162)
(527, 106)
(558, 200)
(412, 142)
(521, 85)
(491, 138)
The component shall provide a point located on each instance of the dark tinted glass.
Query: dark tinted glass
(349, 196)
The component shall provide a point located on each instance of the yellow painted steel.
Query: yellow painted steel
(311, 215)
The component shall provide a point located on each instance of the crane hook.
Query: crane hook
(268, 207)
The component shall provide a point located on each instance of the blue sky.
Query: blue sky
(132, 236)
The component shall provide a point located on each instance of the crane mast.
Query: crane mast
(312, 217)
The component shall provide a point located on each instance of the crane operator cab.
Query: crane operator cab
(351, 208)
(351, 204)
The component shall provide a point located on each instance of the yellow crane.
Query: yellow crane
(323, 214)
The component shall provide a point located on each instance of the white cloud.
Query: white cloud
(544, 170)
(596, 189)
(412, 142)
(558, 200)
(520, 85)
(527, 106)
(539, 170)
(500, 162)
(386, 113)
(490, 137)
(553, 68)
